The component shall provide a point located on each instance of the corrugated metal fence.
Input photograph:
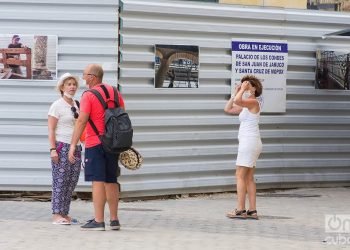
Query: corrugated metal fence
(189, 144)
(87, 33)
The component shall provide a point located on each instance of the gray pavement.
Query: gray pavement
(289, 219)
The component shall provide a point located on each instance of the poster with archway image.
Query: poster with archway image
(176, 66)
(28, 57)
(333, 69)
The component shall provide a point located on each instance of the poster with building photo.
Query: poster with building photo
(176, 66)
(333, 69)
(31, 57)
(267, 60)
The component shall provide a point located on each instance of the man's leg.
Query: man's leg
(99, 199)
(112, 188)
(112, 192)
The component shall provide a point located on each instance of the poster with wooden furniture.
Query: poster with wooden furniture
(12, 58)
(28, 57)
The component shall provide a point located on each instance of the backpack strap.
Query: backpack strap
(103, 102)
(103, 87)
(99, 97)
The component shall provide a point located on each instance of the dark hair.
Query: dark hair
(255, 82)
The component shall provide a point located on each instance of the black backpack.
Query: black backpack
(118, 130)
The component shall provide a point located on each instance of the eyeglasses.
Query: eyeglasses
(75, 113)
(89, 75)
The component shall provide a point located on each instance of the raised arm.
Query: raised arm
(250, 103)
(230, 107)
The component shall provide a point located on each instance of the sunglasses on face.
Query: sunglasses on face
(75, 113)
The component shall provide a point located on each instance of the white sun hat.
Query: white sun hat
(64, 77)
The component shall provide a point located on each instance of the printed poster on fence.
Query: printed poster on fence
(28, 57)
(268, 61)
(176, 66)
(332, 69)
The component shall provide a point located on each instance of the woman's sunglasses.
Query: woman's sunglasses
(75, 113)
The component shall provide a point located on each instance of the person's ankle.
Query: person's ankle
(57, 216)
(99, 220)
(67, 217)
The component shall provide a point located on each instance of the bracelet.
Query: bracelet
(52, 149)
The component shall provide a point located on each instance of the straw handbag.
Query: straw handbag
(131, 159)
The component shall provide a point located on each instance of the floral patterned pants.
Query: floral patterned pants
(65, 177)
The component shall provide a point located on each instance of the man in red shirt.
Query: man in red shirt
(100, 167)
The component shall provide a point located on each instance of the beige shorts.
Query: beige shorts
(249, 149)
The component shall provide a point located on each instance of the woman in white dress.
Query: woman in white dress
(247, 102)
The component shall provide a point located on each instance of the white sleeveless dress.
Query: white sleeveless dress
(250, 145)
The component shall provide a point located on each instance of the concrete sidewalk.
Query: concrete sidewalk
(291, 219)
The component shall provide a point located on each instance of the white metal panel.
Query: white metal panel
(188, 142)
(87, 33)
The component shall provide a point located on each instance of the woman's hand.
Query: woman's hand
(54, 156)
(245, 85)
(71, 153)
(237, 88)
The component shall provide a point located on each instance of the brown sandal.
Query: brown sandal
(252, 215)
(237, 214)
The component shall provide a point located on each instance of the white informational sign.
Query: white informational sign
(266, 60)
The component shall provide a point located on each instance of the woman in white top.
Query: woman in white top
(61, 119)
(247, 102)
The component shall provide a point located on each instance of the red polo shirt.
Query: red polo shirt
(91, 105)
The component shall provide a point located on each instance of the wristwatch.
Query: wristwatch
(52, 149)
